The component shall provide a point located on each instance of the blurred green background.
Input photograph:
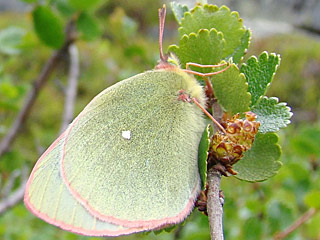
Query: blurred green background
(117, 39)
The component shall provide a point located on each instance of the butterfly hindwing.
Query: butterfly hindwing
(131, 156)
(48, 198)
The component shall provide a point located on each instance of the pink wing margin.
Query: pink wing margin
(61, 224)
(147, 225)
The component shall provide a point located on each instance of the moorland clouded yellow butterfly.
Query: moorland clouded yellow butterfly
(129, 161)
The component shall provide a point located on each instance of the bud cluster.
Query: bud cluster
(227, 149)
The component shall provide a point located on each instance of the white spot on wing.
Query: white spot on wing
(126, 134)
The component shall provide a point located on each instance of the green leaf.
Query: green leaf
(10, 93)
(48, 26)
(122, 28)
(242, 48)
(178, 10)
(231, 90)
(210, 16)
(8, 90)
(88, 26)
(312, 199)
(306, 142)
(259, 73)
(84, 5)
(167, 230)
(203, 155)
(279, 215)
(205, 47)
(313, 226)
(253, 229)
(10, 39)
(64, 7)
(261, 161)
(271, 114)
(30, 1)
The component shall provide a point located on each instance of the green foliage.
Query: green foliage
(221, 19)
(203, 155)
(84, 5)
(88, 26)
(48, 26)
(230, 89)
(10, 39)
(64, 7)
(82, 12)
(297, 80)
(271, 114)
(251, 211)
(239, 51)
(122, 27)
(279, 216)
(30, 1)
(209, 34)
(276, 203)
(252, 228)
(178, 10)
(261, 161)
(195, 48)
(10, 94)
(312, 199)
(259, 74)
(306, 142)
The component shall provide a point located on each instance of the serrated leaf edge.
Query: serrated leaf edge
(276, 102)
(276, 137)
(245, 50)
(187, 37)
(213, 9)
(241, 75)
(257, 60)
(182, 6)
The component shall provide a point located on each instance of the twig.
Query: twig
(214, 205)
(305, 217)
(40, 149)
(6, 190)
(37, 86)
(15, 197)
(71, 90)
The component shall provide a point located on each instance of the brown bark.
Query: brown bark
(215, 205)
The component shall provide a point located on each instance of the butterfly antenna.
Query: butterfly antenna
(162, 19)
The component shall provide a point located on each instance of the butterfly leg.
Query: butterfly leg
(209, 115)
(187, 70)
(188, 64)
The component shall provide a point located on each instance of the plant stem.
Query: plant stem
(15, 197)
(214, 205)
(71, 91)
(305, 217)
(33, 94)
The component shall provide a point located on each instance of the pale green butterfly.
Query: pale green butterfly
(128, 162)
